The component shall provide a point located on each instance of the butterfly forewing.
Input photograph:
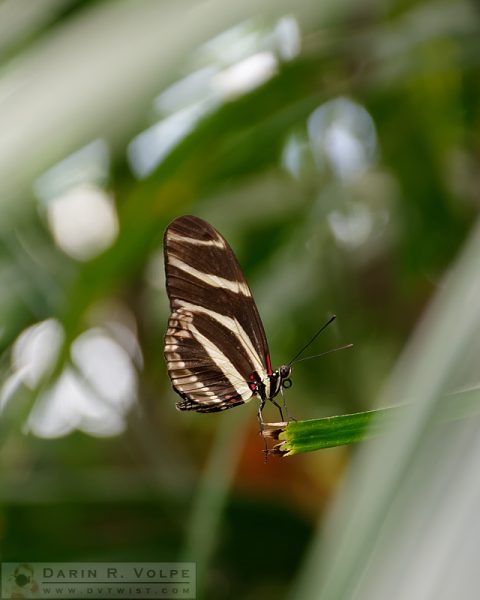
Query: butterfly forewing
(215, 339)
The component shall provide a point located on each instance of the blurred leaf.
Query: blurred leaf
(382, 501)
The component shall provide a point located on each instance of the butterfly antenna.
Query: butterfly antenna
(323, 353)
(294, 359)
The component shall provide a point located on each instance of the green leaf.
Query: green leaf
(297, 437)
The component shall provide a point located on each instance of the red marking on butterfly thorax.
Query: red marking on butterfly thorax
(269, 365)
(252, 376)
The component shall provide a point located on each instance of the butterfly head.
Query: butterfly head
(284, 380)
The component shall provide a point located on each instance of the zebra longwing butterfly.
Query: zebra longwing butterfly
(215, 346)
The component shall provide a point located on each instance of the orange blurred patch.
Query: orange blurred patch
(307, 481)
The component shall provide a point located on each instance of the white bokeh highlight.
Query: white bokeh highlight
(245, 75)
(95, 391)
(343, 137)
(35, 351)
(226, 67)
(288, 37)
(351, 228)
(94, 395)
(83, 221)
(150, 147)
(72, 404)
(34, 355)
(106, 366)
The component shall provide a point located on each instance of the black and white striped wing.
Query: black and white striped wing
(215, 345)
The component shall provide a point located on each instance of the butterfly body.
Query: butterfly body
(215, 345)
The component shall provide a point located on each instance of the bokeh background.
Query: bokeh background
(334, 144)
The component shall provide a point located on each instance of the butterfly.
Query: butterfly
(215, 345)
(216, 349)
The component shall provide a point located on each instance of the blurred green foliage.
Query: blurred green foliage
(358, 209)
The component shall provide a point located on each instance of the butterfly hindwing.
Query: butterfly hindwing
(215, 338)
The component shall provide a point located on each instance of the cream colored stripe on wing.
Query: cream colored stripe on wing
(234, 326)
(222, 362)
(239, 287)
(183, 238)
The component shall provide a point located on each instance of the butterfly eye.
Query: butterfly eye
(287, 383)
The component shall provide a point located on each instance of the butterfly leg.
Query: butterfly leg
(284, 403)
(260, 415)
(261, 423)
(279, 407)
